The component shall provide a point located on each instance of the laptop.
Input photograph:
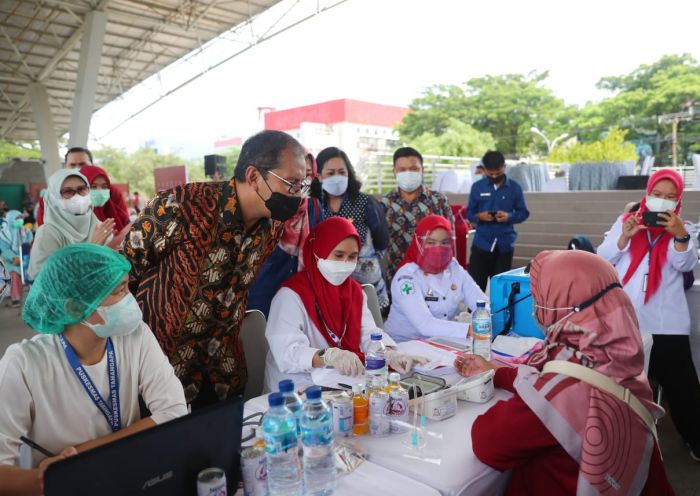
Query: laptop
(160, 461)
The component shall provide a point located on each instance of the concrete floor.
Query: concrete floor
(683, 471)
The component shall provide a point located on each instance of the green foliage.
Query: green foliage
(611, 148)
(459, 139)
(9, 150)
(136, 169)
(506, 106)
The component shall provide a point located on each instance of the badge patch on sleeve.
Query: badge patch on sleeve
(407, 288)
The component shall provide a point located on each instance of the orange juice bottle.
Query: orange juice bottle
(360, 407)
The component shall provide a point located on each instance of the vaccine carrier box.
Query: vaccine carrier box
(511, 300)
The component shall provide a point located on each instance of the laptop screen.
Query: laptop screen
(160, 461)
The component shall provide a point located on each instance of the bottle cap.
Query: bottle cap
(376, 336)
(480, 304)
(358, 388)
(313, 393)
(394, 377)
(275, 399)
(286, 386)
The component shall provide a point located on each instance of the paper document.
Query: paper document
(512, 346)
(441, 360)
(330, 377)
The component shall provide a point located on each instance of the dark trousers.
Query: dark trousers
(484, 264)
(671, 364)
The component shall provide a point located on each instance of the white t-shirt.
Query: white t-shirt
(667, 311)
(43, 399)
(294, 340)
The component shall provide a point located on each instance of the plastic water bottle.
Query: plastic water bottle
(398, 405)
(481, 328)
(280, 433)
(320, 475)
(375, 364)
(291, 400)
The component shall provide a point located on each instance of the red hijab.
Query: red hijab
(601, 433)
(639, 244)
(339, 306)
(115, 208)
(424, 228)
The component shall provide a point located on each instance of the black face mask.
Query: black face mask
(497, 179)
(281, 207)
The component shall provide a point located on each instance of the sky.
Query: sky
(389, 51)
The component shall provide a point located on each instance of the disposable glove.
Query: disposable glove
(403, 363)
(345, 362)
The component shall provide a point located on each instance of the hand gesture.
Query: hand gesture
(672, 223)
(631, 227)
(469, 365)
(502, 216)
(484, 216)
(102, 231)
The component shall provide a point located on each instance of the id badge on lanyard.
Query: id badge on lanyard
(652, 244)
(111, 412)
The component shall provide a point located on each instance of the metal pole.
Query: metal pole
(674, 142)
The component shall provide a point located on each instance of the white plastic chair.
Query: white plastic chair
(255, 347)
(373, 304)
(646, 166)
(696, 166)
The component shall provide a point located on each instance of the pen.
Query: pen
(344, 386)
(36, 446)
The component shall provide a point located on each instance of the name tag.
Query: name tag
(644, 284)
(432, 298)
(485, 194)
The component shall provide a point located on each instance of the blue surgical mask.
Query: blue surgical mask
(335, 185)
(120, 319)
(17, 223)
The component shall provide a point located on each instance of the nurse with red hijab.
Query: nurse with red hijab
(650, 261)
(430, 290)
(319, 318)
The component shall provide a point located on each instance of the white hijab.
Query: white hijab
(76, 228)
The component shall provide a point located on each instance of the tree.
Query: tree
(457, 140)
(612, 148)
(669, 85)
(506, 106)
(9, 150)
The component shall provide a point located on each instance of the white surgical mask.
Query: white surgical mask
(77, 204)
(660, 205)
(120, 319)
(335, 185)
(334, 271)
(409, 181)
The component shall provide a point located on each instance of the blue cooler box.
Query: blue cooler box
(518, 283)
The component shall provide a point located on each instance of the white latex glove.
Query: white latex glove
(403, 363)
(345, 362)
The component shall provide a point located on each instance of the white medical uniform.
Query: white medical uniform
(43, 399)
(667, 311)
(423, 305)
(294, 339)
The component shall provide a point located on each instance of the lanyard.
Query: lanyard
(653, 243)
(332, 335)
(112, 412)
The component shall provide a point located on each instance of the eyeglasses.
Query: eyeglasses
(295, 188)
(70, 192)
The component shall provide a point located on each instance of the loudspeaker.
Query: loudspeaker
(632, 182)
(214, 163)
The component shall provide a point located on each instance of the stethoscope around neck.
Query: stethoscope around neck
(333, 335)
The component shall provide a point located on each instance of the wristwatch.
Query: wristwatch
(684, 239)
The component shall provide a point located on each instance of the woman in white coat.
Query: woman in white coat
(319, 318)
(430, 288)
(650, 262)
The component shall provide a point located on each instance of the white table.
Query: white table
(452, 468)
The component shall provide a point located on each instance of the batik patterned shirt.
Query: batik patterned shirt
(192, 264)
(403, 217)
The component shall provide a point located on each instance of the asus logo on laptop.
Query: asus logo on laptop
(157, 480)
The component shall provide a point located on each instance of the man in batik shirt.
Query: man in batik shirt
(196, 249)
(407, 205)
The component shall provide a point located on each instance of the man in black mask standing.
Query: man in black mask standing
(196, 249)
(495, 205)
